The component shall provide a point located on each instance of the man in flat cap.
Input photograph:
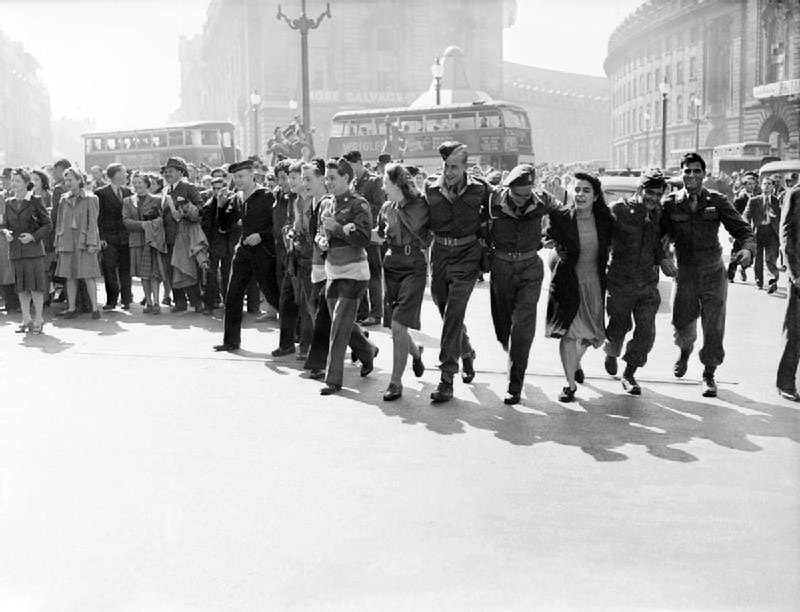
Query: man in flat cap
(255, 253)
(458, 205)
(749, 189)
(186, 207)
(514, 233)
(690, 219)
(370, 187)
(632, 276)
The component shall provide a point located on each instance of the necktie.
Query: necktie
(693, 202)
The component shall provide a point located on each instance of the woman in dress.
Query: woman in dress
(580, 231)
(404, 223)
(78, 241)
(156, 189)
(141, 215)
(26, 224)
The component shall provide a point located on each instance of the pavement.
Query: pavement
(141, 471)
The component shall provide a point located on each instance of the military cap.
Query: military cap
(247, 164)
(522, 174)
(384, 158)
(353, 156)
(652, 177)
(750, 174)
(7, 172)
(451, 147)
(217, 180)
(178, 163)
(412, 170)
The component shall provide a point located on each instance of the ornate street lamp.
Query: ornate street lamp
(437, 70)
(303, 24)
(664, 89)
(255, 104)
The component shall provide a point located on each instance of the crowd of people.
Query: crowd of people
(336, 246)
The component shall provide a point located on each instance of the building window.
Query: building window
(385, 38)
(679, 73)
(679, 108)
(668, 75)
(658, 77)
(692, 68)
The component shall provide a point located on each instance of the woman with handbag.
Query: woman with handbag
(581, 234)
(26, 225)
(78, 241)
(404, 224)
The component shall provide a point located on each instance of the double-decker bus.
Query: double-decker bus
(497, 134)
(202, 142)
(737, 156)
(675, 156)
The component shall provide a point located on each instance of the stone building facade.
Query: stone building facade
(25, 134)
(369, 54)
(733, 70)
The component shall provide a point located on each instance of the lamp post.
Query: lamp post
(664, 89)
(697, 103)
(303, 24)
(255, 103)
(646, 119)
(437, 70)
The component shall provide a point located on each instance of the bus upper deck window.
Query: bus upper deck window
(175, 139)
(158, 140)
(209, 137)
(463, 120)
(411, 124)
(111, 144)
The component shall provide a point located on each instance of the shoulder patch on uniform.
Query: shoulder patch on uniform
(364, 205)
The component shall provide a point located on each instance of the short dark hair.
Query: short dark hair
(283, 166)
(113, 169)
(691, 158)
(317, 165)
(145, 176)
(23, 174)
(77, 174)
(597, 186)
(342, 167)
(44, 177)
(353, 156)
(63, 164)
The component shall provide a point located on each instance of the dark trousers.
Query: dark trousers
(288, 312)
(787, 368)
(514, 292)
(10, 297)
(766, 253)
(701, 292)
(371, 305)
(317, 358)
(343, 296)
(629, 306)
(216, 288)
(116, 266)
(248, 263)
(451, 287)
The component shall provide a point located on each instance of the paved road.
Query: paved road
(141, 471)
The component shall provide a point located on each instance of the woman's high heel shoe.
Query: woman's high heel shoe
(567, 394)
(24, 328)
(36, 328)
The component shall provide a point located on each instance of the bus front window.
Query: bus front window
(489, 119)
(209, 137)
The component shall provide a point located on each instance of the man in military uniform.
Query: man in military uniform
(749, 189)
(458, 205)
(255, 254)
(691, 219)
(514, 233)
(790, 245)
(632, 277)
(370, 187)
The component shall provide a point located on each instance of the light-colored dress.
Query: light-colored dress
(76, 233)
(588, 326)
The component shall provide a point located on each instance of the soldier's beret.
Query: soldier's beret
(353, 156)
(6, 172)
(652, 177)
(384, 158)
(522, 174)
(446, 149)
(247, 164)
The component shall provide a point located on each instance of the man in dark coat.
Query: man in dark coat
(115, 258)
(790, 245)
(763, 212)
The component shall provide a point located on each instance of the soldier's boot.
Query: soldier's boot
(709, 384)
(444, 391)
(629, 382)
(679, 369)
(468, 366)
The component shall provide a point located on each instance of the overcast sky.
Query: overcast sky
(85, 46)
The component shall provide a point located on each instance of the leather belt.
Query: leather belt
(521, 256)
(454, 242)
(404, 249)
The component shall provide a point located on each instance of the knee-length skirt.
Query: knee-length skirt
(30, 274)
(78, 264)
